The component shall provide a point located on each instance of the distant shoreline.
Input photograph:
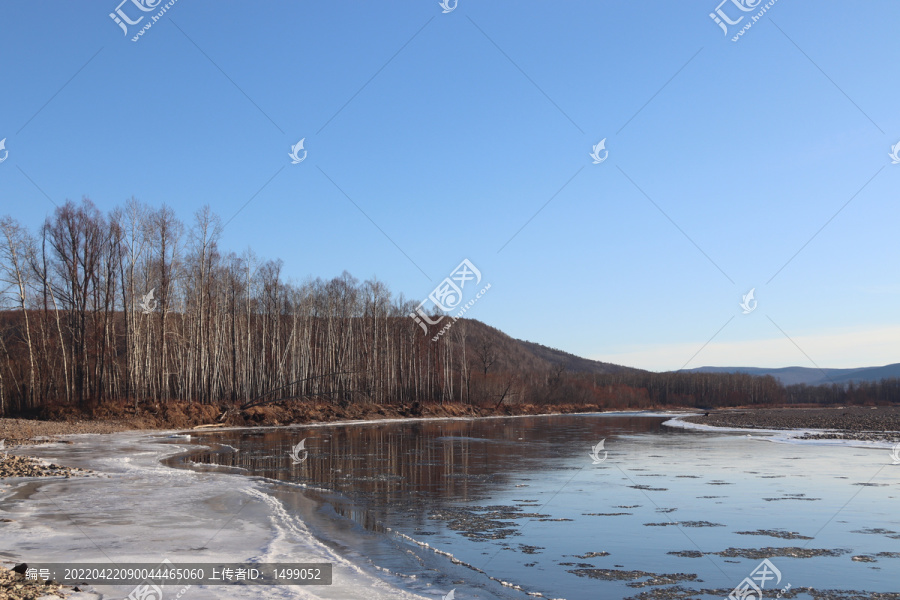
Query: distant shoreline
(859, 423)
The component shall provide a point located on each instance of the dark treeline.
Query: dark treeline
(712, 390)
(139, 306)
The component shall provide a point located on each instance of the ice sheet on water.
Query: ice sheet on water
(137, 510)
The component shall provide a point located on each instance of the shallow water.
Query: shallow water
(520, 501)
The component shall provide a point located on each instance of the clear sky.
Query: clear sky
(434, 137)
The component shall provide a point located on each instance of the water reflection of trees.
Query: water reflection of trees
(396, 462)
(373, 473)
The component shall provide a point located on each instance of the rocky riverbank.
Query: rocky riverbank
(28, 432)
(24, 466)
(14, 586)
(865, 423)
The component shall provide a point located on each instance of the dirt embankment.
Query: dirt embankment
(110, 418)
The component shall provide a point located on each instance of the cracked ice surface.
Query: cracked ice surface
(134, 509)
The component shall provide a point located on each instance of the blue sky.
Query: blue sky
(433, 137)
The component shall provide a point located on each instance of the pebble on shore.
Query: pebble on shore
(13, 583)
(14, 586)
(24, 466)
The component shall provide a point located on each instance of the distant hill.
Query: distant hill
(812, 376)
(514, 355)
(572, 363)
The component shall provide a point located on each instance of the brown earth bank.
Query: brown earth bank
(113, 417)
(878, 423)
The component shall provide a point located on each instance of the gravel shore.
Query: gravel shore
(22, 432)
(14, 586)
(24, 466)
(865, 423)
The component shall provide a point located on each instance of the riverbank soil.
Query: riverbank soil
(113, 417)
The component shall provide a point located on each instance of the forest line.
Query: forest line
(136, 305)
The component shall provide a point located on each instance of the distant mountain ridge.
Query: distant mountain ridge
(512, 353)
(812, 376)
(573, 363)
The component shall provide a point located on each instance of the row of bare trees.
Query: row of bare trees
(138, 305)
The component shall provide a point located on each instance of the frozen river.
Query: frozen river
(510, 508)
